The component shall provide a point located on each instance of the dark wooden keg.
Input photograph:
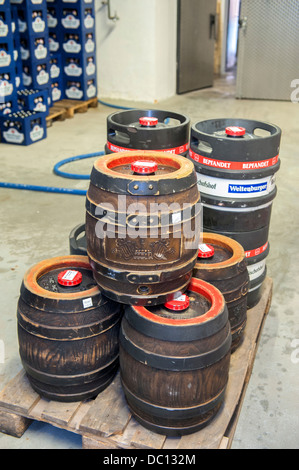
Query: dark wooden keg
(67, 331)
(222, 262)
(174, 364)
(142, 221)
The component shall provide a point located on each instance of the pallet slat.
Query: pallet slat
(66, 109)
(109, 413)
(106, 422)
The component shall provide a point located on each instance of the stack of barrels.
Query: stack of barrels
(143, 228)
(150, 288)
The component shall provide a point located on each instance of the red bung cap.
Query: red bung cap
(148, 121)
(144, 167)
(69, 277)
(205, 251)
(235, 131)
(180, 303)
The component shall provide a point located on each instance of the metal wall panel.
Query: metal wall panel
(268, 59)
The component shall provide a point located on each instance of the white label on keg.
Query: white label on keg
(255, 288)
(176, 218)
(256, 270)
(235, 188)
(181, 298)
(204, 248)
(70, 275)
(87, 302)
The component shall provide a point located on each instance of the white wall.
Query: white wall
(136, 55)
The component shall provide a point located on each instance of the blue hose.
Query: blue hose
(57, 171)
(112, 105)
(76, 176)
(47, 189)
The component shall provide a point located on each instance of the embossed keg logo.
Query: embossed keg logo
(159, 250)
(147, 231)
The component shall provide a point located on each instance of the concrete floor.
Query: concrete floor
(36, 226)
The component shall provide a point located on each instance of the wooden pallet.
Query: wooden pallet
(56, 113)
(71, 107)
(106, 422)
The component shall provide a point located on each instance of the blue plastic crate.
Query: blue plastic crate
(7, 85)
(56, 70)
(53, 16)
(75, 3)
(78, 17)
(28, 3)
(80, 88)
(55, 40)
(7, 56)
(34, 48)
(33, 20)
(9, 107)
(57, 90)
(33, 100)
(4, 5)
(36, 74)
(80, 66)
(5, 23)
(79, 42)
(23, 128)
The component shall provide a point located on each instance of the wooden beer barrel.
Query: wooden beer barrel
(222, 262)
(142, 225)
(174, 364)
(67, 331)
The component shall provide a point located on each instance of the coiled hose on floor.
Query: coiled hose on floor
(63, 174)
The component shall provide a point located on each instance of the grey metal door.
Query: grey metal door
(268, 59)
(197, 26)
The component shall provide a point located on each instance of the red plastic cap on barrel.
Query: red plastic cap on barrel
(145, 167)
(205, 251)
(148, 121)
(69, 278)
(178, 304)
(235, 131)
